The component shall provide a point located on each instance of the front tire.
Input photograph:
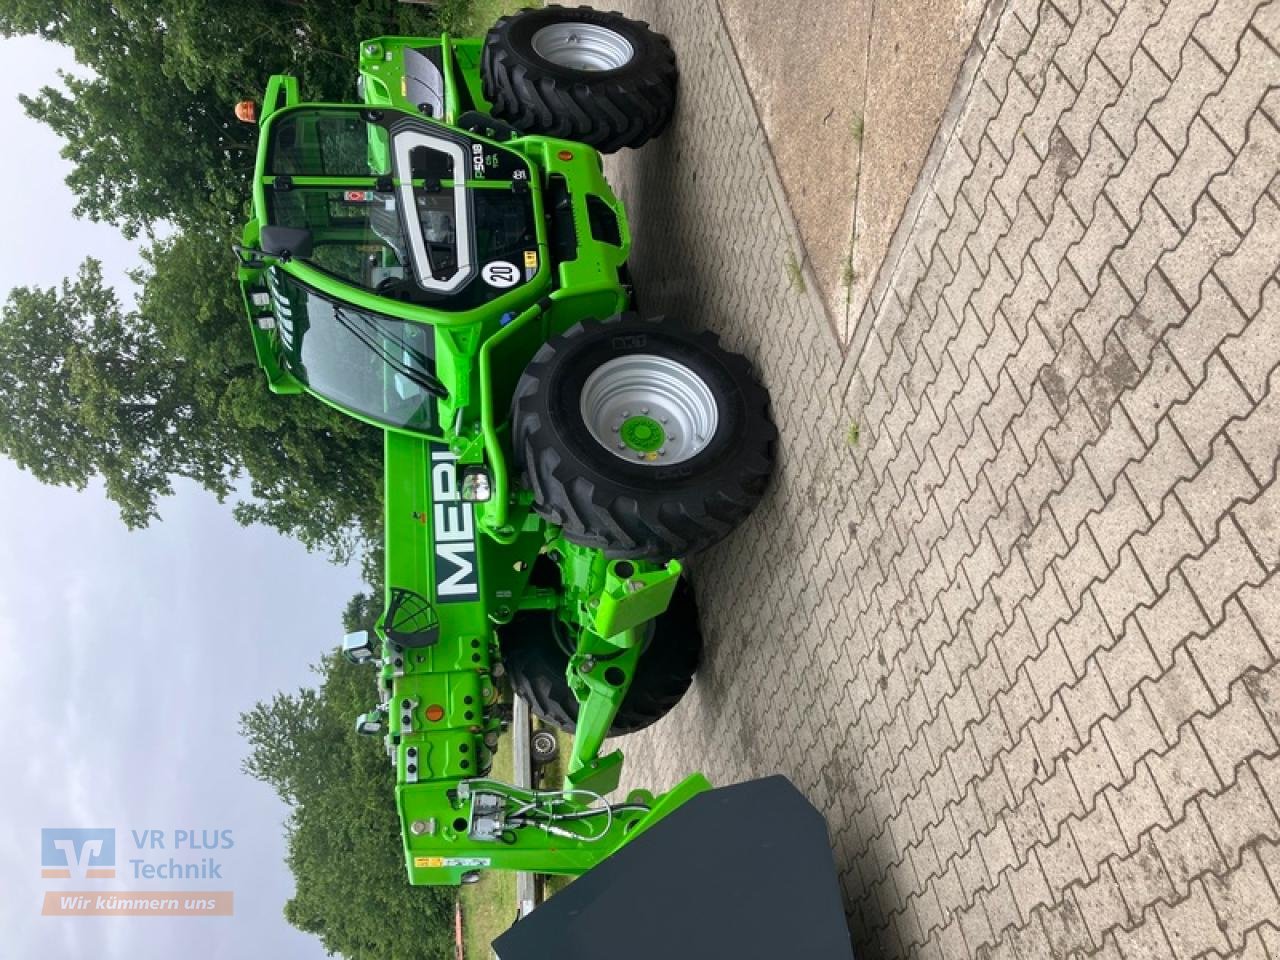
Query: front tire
(641, 439)
(580, 74)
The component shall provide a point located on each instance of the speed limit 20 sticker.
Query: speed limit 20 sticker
(500, 273)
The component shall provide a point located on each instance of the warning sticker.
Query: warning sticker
(354, 196)
(531, 259)
(451, 861)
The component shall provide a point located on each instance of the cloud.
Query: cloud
(139, 650)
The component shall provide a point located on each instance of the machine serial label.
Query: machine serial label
(454, 533)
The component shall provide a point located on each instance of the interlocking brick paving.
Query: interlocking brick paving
(1010, 614)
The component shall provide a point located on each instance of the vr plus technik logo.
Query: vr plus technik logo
(75, 853)
(79, 854)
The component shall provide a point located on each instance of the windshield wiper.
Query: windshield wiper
(419, 378)
(415, 354)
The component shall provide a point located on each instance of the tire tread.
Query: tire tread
(535, 665)
(608, 113)
(612, 519)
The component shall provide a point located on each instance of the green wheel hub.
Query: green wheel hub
(642, 434)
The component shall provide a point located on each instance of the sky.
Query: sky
(127, 657)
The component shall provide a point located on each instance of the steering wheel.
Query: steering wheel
(388, 286)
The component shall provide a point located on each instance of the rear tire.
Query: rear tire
(610, 83)
(533, 651)
(642, 439)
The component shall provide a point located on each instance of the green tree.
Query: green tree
(343, 834)
(312, 472)
(362, 612)
(172, 389)
(151, 134)
(145, 145)
(88, 390)
(145, 154)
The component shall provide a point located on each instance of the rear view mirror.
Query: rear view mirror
(285, 242)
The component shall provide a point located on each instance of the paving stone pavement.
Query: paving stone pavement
(1018, 638)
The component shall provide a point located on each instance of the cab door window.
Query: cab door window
(355, 231)
(328, 143)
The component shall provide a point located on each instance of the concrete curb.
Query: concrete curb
(770, 165)
(942, 139)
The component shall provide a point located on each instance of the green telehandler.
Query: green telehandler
(446, 261)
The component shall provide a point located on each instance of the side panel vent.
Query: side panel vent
(604, 222)
(564, 238)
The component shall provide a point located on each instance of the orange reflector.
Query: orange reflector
(435, 713)
(565, 155)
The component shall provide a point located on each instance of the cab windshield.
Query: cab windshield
(378, 366)
(403, 207)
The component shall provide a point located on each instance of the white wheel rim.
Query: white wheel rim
(649, 410)
(583, 46)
